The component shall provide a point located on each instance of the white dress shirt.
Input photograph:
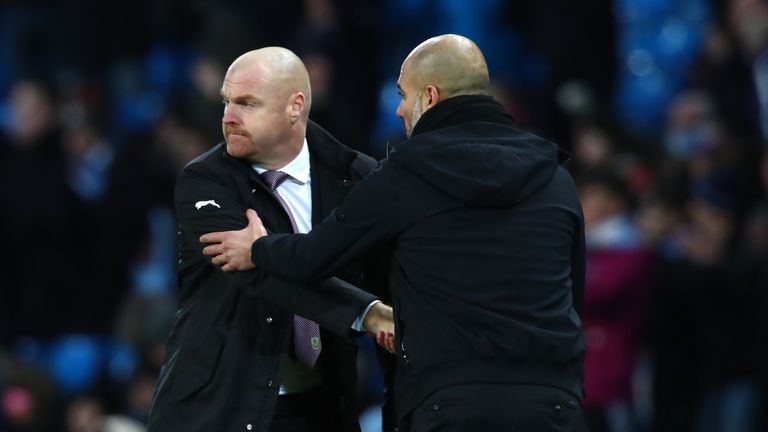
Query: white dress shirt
(296, 190)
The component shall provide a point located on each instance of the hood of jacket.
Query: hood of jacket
(468, 148)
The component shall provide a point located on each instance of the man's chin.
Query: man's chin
(235, 149)
(237, 140)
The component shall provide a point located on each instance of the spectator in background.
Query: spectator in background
(701, 151)
(617, 289)
(86, 414)
(323, 42)
(29, 400)
(202, 106)
(38, 213)
(723, 71)
(749, 20)
(706, 328)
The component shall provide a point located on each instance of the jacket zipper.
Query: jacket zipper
(403, 352)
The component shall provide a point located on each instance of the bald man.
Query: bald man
(486, 234)
(246, 352)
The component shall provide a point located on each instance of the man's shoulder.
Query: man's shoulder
(208, 160)
(213, 165)
(363, 164)
(214, 162)
(340, 157)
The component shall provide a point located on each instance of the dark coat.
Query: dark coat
(487, 238)
(221, 372)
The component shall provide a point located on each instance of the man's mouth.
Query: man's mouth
(237, 133)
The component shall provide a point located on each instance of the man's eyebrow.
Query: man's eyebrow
(241, 98)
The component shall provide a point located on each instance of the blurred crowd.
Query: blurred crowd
(663, 105)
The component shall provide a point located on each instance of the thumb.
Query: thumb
(253, 217)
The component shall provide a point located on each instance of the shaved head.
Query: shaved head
(452, 63)
(283, 71)
(267, 97)
(439, 68)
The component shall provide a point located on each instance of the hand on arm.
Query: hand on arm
(379, 322)
(232, 249)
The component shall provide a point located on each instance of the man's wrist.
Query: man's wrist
(359, 323)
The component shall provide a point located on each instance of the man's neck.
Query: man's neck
(288, 151)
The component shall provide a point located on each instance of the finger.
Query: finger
(214, 237)
(215, 249)
(228, 267)
(254, 222)
(260, 229)
(391, 343)
(386, 341)
(253, 217)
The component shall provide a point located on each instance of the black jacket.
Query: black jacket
(221, 372)
(487, 238)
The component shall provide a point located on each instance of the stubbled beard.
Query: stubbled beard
(415, 116)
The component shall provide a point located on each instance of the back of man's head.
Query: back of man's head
(452, 63)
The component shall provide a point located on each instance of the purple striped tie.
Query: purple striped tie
(306, 333)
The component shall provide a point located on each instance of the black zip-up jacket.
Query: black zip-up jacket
(221, 372)
(487, 239)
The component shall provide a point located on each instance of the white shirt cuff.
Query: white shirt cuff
(358, 324)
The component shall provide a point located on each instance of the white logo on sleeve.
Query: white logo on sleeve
(201, 204)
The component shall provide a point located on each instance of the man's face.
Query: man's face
(256, 119)
(410, 108)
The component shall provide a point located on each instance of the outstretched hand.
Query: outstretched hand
(232, 249)
(379, 322)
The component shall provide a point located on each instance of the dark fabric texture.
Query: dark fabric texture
(304, 412)
(497, 408)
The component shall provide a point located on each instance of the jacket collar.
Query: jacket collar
(325, 149)
(466, 109)
(462, 109)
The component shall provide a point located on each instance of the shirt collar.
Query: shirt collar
(298, 168)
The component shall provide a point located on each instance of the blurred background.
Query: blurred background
(662, 103)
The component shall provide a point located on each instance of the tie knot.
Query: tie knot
(273, 179)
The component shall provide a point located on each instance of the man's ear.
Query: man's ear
(433, 96)
(296, 106)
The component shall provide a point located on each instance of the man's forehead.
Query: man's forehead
(402, 79)
(406, 72)
(241, 83)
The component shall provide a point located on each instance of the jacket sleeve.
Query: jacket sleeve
(205, 204)
(377, 267)
(365, 220)
(578, 266)
(333, 303)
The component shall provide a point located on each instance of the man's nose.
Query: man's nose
(229, 114)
